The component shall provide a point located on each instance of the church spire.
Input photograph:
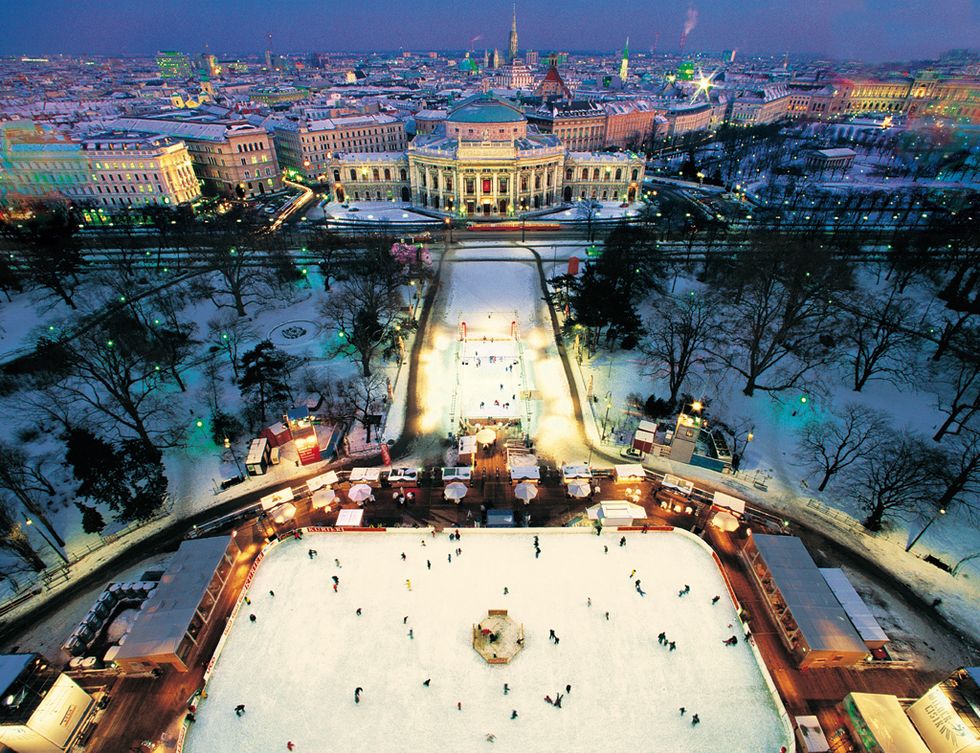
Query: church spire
(512, 45)
(624, 65)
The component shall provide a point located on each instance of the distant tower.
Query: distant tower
(512, 45)
(268, 51)
(625, 64)
(496, 58)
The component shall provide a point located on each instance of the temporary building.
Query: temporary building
(728, 502)
(257, 460)
(948, 714)
(630, 473)
(861, 618)
(500, 519)
(813, 624)
(276, 498)
(881, 725)
(362, 475)
(676, 482)
(277, 434)
(324, 479)
(350, 518)
(810, 735)
(174, 616)
(457, 473)
(525, 473)
(616, 512)
(42, 713)
(645, 436)
(403, 476)
(575, 473)
(467, 450)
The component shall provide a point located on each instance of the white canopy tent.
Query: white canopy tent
(323, 498)
(365, 475)
(725, 521)
(525, 492)
(324, 479)
(579, 489)
(630, 473)
(284, 512)
(486, 436)
(457, 473)
(525, 473)
(455, 491)
(676, 482)
(276, 498)
(359, 492)
(575, 472)
(734, 504)
(350, 518)
(615, 512)
(403, 475)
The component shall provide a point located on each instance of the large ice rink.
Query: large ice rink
(296, 667)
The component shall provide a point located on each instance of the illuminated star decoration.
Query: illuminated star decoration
(703, 84)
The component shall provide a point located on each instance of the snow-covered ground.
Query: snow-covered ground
(296, 667)
(608, 210)
(366, 211)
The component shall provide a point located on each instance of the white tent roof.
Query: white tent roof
(862, 619)
(324, 479)
(676, 482)
(276, 498)
(467, 444)
(457, 473)
(615, 509)
(814, 740)
(525, 472)
(364, 474)
(571, 472)
(170, 607)
(350, 517)
(647, 426)
(630, 470)
(889, 724)
(727, 501)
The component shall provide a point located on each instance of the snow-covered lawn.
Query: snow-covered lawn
(608, 210)
(296, 667)
(380, 211)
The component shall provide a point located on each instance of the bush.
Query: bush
(656, 407)
(225, 425)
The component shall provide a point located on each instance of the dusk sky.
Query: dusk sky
(873, 30)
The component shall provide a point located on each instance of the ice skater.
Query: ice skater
(357, 694)
(248, 601)
(684, 591)
(513, 713)
(411, 634)
(459, 705)
(490, 737)
(730, 641)
(639, 590)
(551, 635)
(450, 558)
(403, 557)
(506, 688)
(558, 698)
(335, 588)
(251, 618)
(427, 681)
(683, 710)
(672, 645)
(335, 579)
(622, 541)
(506, 590)
(632, 573)
(607, 616)
(408, 583)
(358, 612)
(588, 601)
(548, 699)
(568, 688)
(336, 562)
(714, 599)
(239, 709)
(405, 620)
(290, 745)
(428, 565)
(605, 549)
(695, 720)
(272, 593)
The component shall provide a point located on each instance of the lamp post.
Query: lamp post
(449, 231)
(605, 419)
(940, 511)
(48, 541)
(234, 455)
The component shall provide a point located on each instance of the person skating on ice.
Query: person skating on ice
(239, 709)
(357, 694)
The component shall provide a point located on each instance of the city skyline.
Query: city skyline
(870, 30)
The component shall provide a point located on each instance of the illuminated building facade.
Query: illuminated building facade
(173, 65)
(485, 161)
(232, 157)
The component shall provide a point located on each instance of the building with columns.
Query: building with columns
(485, 161)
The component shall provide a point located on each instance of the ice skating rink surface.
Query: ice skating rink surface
(296, 667)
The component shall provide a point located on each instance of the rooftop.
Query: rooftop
(485, 108)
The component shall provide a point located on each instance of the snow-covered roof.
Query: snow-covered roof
(168, 611)
(862, 619)
(887, 722)
(820, 617)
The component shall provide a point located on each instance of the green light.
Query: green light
(305, 271)
(199, 423)
(233, 252)
(156, 368)
(224, 335)
(122, 299)
(803, 398)
(110, 343)
(156, 321)
(341, 334)
(50, 328)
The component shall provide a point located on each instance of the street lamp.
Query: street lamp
(605, 419)
(940, 511)
(48, 541)
(449, 230)
(234, 455)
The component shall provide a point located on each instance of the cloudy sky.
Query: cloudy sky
(873, 30)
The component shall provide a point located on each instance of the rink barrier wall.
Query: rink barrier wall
(429, 531)
(790, 739)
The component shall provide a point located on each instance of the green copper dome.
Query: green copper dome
(485, 108)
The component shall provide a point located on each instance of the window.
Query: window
(636, 172)
(619, 173)
(503, 185)
(537, 182)
(585, 173)
(595, 173)
(404, 176)
(387, 173)
(487, 185)
(568, 174)
(470, 186)
(353, 174)
(376, 174)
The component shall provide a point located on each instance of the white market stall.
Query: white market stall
(728, 502)
(467, 450)
(525, 473)
(579, 489)
(350, 518)
(575, 473)
(630, 473)
(276, 498)
(810, 735)
(403, 476)
(323, 498)
(324, 479)
(457, 473)
(724, 521)
(682, 485)
(284, 513)
(365, 475)
(616, 512)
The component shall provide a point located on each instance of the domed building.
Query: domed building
(485, 161)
